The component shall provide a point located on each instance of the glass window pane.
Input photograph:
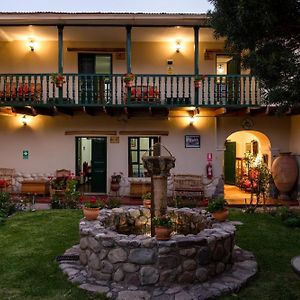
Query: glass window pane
(103, 64)
(134, 157)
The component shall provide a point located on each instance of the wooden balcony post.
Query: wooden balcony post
(60, 29)
(196, 61)
(128, 48)
(128, 58)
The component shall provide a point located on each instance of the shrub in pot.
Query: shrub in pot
(163, 227)
(217, 207)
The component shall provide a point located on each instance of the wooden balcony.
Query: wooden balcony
(147, 90)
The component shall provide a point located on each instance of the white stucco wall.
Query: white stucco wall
(50, 149)
(147, 57)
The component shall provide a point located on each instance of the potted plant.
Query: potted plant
(128, 79)
(163, 227)
(58, 79)
(198, 80)
(91, 209)
(147, 199)
(217, 207)
(115, 181)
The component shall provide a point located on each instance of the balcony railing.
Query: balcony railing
(146, 89)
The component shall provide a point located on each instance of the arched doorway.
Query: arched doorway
(236, 145)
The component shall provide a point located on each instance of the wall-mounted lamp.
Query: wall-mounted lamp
(24, 120)
(178, 46)
(192, 120)
(220, 69)
(31, 45)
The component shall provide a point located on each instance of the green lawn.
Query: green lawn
(30, 242)
(273, 245)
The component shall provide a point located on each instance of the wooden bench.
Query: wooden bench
(186, 185)
(38, 187)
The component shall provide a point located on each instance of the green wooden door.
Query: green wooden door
(229, 163)
(99, 157)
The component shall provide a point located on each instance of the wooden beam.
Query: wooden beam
(107, 50)
(90, 132)
(146, 132)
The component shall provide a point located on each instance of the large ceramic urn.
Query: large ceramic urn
(285, 173)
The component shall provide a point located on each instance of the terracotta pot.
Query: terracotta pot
(285, 172)
(163, 233)
(114, 186)
(147, 203)
(197, 83)
(221, 215)
(128, 84)
(91, 213)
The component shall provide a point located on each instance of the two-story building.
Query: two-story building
(65, 103)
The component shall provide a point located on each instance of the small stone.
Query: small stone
(94, 244)
(83, 258)
(183, 296)
(220, 268)
(130, 268)
(94, 288)
(94, 262)
(148, 275)
(164, 250)
(106, 266)
(201, 274)
(186, 277)
(173, 290)
(83, 243)
(119, 275)
(168, 276)
(218, 252)
(117, 255)
(204, 256)
(189, 265)
(168, 261)
(133, 295)
(142, 256)
(187, 252)
(134, 213)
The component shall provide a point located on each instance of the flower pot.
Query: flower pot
(221, 215)
(147, 203)
(197, 83)
(114, 186)
(163, 233)
(284, 171)
(128, 84)
(91, 213)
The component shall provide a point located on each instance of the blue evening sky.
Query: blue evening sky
(184, 6)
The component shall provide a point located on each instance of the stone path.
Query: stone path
(296, 264)
(244, 268)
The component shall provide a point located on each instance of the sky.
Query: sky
(156, 6)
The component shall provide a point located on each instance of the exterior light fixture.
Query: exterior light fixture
(220, 69)
(178, 46)
(24, 120)
(192, 120)
(31, 45)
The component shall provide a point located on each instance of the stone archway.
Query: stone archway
(239, 143)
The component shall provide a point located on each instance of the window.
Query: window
(137, 147)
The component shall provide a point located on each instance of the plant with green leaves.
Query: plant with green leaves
(162, 221)
(217, 204)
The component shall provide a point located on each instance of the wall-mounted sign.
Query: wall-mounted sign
(25, 154)
(114, 139)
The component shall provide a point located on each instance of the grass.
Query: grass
(273, 245)
(30, 241)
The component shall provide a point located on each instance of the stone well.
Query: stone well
(111, 249)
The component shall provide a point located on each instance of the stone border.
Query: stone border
(231, 281)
